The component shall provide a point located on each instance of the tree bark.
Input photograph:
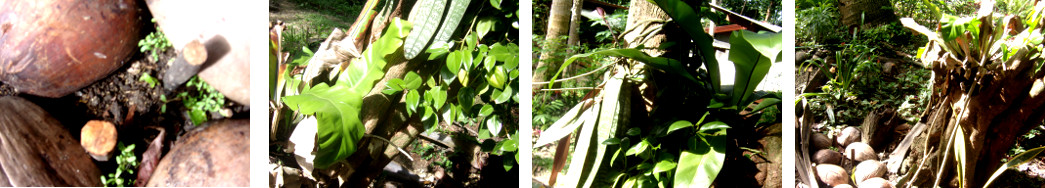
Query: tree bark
(558, 26)
(575, 23)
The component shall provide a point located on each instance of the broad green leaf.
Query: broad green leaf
(608, 122)
(438, 96)
(713, 127)
(412, 81)
(748, 51)
(699, 168)
(611, 141)
(664, 166)
(429, 14)
(667, 64)
(438, 49)
(465, 96)
(767, 102)
(680, 124)
(393, 86)
(511, 144)
(453, 61)
(485, 26)
(486, 110)
(584, 150)
(453, 18)
(493, 125)
(1018, 160)
(428, 113)
(681, 12)
(638, 148)
(508, 164)
(497, 78)
(413, 99)
(504, 96)
(337, 107)
(496, 4)
(634, 131)
(564, 126)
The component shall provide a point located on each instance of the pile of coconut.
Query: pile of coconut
(858, 159)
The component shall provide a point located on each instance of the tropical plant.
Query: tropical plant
(450, 66)
(975, 61)
(614, 149)
(126, 162)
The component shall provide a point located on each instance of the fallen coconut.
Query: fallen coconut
(848, 135)
(867, 170)
(216, 156)
(843, 186)
(98, 137)
(875, 183)
(832, 175)
(51, 48)
(859, 151)
(820, 141)
(827, 156)
(37, 151)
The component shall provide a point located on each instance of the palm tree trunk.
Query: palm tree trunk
(558, 26)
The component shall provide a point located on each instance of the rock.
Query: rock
(98, 137)
(827, 156)
(52, 48)
(227, 67)
(867, 170)
(802, 56)
(848, 135)
(832, 175)
(875, 183)
(213, 156)
(37, 151)
(858, 151)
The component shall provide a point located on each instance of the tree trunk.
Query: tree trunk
(575, 23)
(865, 12)
(558, 26)
(991, 113)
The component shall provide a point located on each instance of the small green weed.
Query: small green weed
(154, 43)
(148, 79)
(202, 99)
(127, 162)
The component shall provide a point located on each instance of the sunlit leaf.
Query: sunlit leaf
(699, 168)
(680, 124)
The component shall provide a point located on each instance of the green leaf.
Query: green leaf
(767, 102)
(1018, 160)
(393, 86)
(634, 131)
(496, 4)
(683, 13)
(699, 168)
(680, 124)
(339, 127)
(413, 99)
(666, 64)
(511, 144)
(493, 125)
(638, 148)
(429, 14)
(497, 78)
(486, 110)
(453, 18)
(465, 96)
(959, 154)
(750, 53)
(485, 26)
(504, 96)
(453, 61)
(611, 141)
(438, 96)
(569, 122)
(713, 127)
(412, 81)
(664, 166)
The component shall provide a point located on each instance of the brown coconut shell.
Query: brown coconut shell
(848, 135)
(832, 175)
(37, 151)
(51, 48)
(875, 183)
(868, 169)
(820, 141)
(859, 151)
(216, 156)
(843, 186)
(827, 156)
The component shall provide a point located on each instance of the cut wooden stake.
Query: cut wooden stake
(194, 52)
(98, 137)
